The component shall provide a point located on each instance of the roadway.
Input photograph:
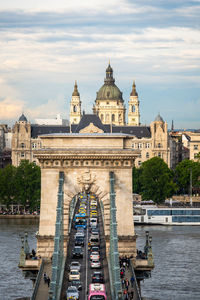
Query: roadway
(86, 271)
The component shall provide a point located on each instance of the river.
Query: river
(175, 249)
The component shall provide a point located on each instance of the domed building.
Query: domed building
(109, 104)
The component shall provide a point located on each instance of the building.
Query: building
(5, 145)
(191, 141)
(108, 117)
(57, 121)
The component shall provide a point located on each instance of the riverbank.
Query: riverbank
(32, 217)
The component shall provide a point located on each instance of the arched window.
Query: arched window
(75, 108)
(133, 108)
(107, 118)
(22, 145)
(113, 118)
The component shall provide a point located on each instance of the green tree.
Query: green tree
(183, 171)
(136, 180)
(156, 180)
(28, 184)
(7, 185)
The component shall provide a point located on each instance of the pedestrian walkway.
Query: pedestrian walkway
(128, 282)
(43, 289)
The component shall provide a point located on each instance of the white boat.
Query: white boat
(152, 214)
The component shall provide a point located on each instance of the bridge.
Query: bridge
(72, 165)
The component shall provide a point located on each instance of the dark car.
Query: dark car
(97, 277)
(79, 241)
(77, 251)
(77, 284)
(95, 249)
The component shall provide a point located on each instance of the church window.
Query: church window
(22, 145)
(107, 118)
(159, 154)
(113, 117)
(22, 154)
(133, 108)
(108, 94)
(74, 108)
(195, 147)
(159, 145)
(147, 155)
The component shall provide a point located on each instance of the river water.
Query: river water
(176, 252)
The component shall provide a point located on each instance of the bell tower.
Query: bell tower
(133, 110)
(75, 106)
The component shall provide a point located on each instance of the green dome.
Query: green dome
(109, 91)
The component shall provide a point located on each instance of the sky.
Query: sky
(46, 45)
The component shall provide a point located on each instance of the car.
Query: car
(72, 293)
(93, 202)
(95, 234)
(97, 277)
(93, 213)
(77, 251)
(94, 231)
(77, 284)
(95, 264)
(93, 207)
(79, 234)
(75, 265)
(94, 255)
(93, 222)
(95, 249)
(79, 241)
(74, 275)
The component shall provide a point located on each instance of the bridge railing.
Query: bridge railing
(137, 294)
(37, 282)
(58, 254)
(114, 269)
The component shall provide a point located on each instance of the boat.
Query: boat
(162, 215)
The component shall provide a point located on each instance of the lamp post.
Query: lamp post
(146, 248)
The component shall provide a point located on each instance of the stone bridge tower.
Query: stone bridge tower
(86, 160)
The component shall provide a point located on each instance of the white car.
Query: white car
(75, 265)
(93, 202)
(93, 222)
(95, 264)
(94, 256)
(79, 234)
(74, 275)
(72, 293)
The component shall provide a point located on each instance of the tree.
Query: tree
(7, 185)
(136, 180)
(28, 184)
(183, 171)
(156, 180)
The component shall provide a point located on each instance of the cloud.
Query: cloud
(10, 109)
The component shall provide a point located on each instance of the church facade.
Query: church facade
(108, 118)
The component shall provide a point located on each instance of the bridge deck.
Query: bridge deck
(42, 293)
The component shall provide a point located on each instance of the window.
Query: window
(159, 154)
(74, 108)
(140, 145)
(133, 108)
(34, 145)
(147, 155)
(195, 147)
(113, 117)
(22, 154)
(102, 117)
(139, 162)
(133, 146)
(107, 103)
(22, 145)
(159, 145)
(147, 145)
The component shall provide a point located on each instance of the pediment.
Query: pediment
(91, 128)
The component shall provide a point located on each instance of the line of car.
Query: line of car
(94, 256)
